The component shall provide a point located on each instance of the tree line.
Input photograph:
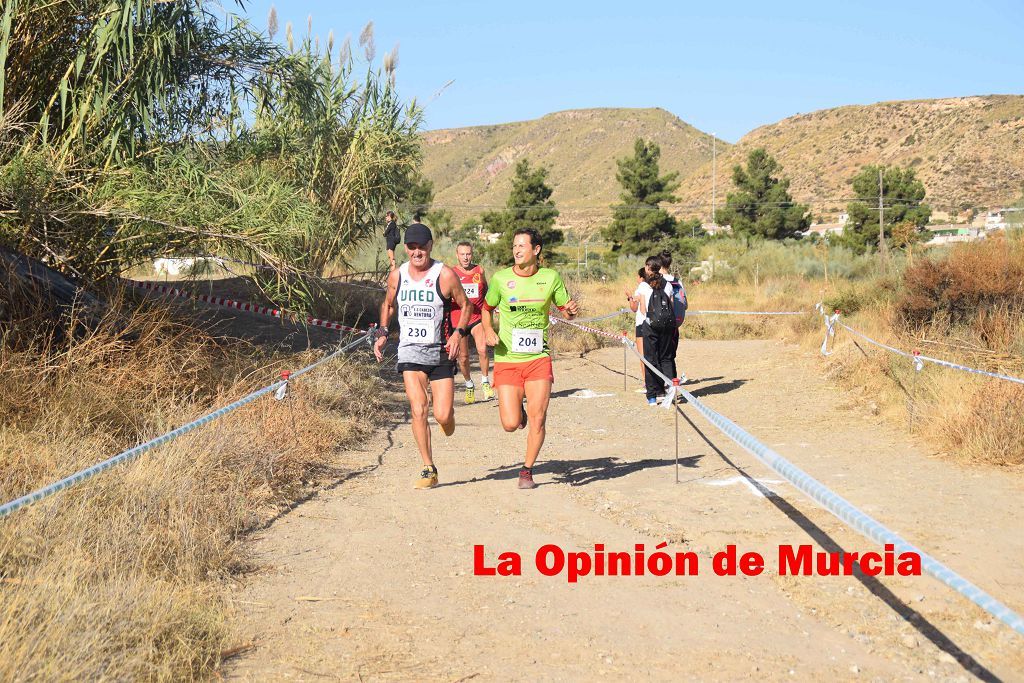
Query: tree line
(760, 206)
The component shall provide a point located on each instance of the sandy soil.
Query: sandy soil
(372, 580)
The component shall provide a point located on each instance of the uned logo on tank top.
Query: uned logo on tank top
(428, 282)
(410, 294)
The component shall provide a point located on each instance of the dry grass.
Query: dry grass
(121, 577)
(970, 417)
(781, 294)
(980, 283)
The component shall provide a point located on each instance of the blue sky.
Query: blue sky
(724, 67)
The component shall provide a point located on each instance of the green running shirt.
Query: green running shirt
(523, 303)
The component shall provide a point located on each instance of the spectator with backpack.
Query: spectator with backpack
(658, 329)
(679, 303)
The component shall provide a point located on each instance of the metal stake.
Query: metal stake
(624, 350)
(913, 389)
(675, 383)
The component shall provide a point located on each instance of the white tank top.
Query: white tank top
(423, 316)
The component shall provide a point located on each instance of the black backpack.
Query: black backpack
(661, 315)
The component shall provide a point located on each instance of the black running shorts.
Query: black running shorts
(444, 370)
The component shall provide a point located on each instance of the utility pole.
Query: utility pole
(714, 177)
(883, 248)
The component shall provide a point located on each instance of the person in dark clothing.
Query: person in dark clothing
(657, 344)
(666, 272)
(392, 238)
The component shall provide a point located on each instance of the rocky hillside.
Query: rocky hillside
(472, 168)
(969, 151)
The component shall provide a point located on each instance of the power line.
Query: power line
(668, 206)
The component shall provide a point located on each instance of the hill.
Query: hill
(472, 167)
(968, 151)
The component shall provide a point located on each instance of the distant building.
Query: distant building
(953, 232)
(995, 220)
(823, 229)
(715, 229)
(707, 269)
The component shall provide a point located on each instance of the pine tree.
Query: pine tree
(529, 205)
(762, 205)
(639, 225)
(902, 203)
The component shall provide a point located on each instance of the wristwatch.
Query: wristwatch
(462, 331)
(382, 331)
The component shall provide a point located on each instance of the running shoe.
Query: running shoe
(652, 401)
(488, 391)
(470, 394)
(526, 479)
(524, 418)
(428, 478)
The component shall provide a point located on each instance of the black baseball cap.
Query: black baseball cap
(418, 233)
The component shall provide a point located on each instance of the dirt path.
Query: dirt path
(373, 580)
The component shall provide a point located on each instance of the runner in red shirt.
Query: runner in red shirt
(475, 283)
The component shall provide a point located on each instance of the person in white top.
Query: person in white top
(633, 298)
(423, 293)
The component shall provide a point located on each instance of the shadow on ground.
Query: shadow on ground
(879, 590)
(720, 388)
(580, 472)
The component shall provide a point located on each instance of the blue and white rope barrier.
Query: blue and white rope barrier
(746, 312)
(919, 360)
(89, 472)
(623, 311)
(606, 316)
(834, 503)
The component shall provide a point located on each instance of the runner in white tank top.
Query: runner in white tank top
(422, 293)
(424, 317)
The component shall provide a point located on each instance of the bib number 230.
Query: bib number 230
(527, 341)
(416, 333)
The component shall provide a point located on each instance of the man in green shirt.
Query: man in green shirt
(522, 295)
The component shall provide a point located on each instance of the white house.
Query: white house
(173, 267)
(995, 220)
(714, 228)
(823, 229)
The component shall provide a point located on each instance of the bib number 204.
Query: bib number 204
(527, 341)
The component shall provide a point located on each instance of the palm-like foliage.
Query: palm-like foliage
(137, 128)
(350, 144)
(119, 77)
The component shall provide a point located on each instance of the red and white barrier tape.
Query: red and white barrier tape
(240, 305)
(592, 330)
